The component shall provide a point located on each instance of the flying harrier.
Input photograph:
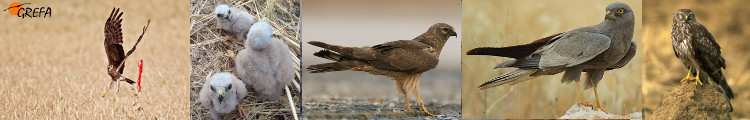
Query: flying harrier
(404, 61)
(114, 50)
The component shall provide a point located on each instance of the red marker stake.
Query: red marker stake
(140, 70)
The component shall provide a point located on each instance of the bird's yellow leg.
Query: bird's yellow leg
(698, 78)
(118, 89)
(597, 100)
(423, 108)
(107, 91)
(686, 77)
(580, 97)
(406, 97)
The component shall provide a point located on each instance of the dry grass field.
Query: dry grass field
(55, 67)
(506, 23)
(663, 71)
(211, 53)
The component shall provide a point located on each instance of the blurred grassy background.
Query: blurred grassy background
(725, 19)
(505, 23)
(55, 67)
(367, 23)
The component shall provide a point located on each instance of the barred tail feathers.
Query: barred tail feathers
(336, 66)
(510, 78)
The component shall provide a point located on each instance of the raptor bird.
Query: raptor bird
(265, 65)
(699, 52)
(113, 47)
(593, 49)
(221, 94)
(403, 60)
(234, 20)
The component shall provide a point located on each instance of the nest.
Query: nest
(213, 51)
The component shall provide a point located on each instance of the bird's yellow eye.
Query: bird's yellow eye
(620, 11)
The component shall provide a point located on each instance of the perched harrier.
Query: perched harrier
(234, 20)
(403, 61)
(265, 65)
(221, 94)
(113, 48)
(593, 49)
(698, 50)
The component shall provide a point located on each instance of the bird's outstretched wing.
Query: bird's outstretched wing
(113, 39)
(136, 43)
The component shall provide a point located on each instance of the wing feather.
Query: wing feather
(518, 51)
(113, 39)
(572, 49)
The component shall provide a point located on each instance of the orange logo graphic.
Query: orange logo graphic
(15, 8)
(22, 11)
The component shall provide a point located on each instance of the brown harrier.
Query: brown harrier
(699, 52)
(113, 48)
(403, 60)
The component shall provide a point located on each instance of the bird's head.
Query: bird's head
(444, 29)
(684, 15)
(619, 12)
(259, 35)
(110, 67)
(222, 12)
(221, 84)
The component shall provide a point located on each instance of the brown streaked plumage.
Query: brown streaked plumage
(113, 47)
(694, 45)
(403, 60)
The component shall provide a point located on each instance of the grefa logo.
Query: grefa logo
(19, 10)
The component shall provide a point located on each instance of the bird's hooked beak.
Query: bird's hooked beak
(610, 15)
(452, 33)
(220, 93)
(685, 17)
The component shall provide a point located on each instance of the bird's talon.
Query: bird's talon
(698, 81)
(428, 113)
(587, 104)
(600, 108)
